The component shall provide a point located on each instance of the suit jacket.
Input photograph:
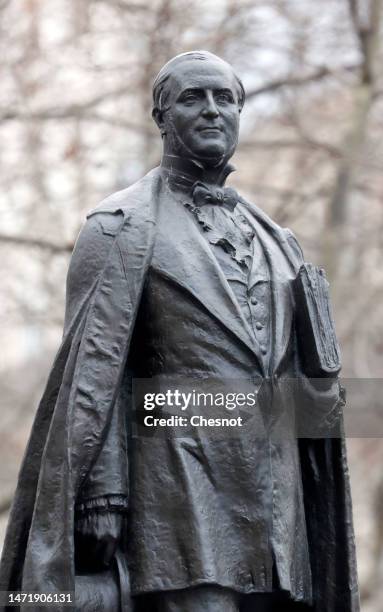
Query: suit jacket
(224, 502)
(70, 443)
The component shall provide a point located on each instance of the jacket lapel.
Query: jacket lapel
(182, 253)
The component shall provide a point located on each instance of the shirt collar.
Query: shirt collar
(182, 173)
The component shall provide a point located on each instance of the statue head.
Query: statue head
(197, 100)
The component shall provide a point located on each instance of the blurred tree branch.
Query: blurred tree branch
(124, 6)
(299, 81)
(73, 112)
(24, 241)
(72, 109)
(296, 143)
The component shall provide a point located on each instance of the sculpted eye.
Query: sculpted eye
(225, 97)
(189, 98)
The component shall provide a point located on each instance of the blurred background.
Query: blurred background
(75, 125)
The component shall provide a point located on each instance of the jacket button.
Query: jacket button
(259, 325)
(263, 349)
(254, 301)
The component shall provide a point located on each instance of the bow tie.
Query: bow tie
(220, 196)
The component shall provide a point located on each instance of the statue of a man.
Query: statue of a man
(178, 277)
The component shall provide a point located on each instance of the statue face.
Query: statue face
(201, 119)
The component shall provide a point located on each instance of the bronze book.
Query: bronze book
(317, 341)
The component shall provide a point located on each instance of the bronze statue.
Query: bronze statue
(179, 277)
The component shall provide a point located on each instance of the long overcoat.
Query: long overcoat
(105, 282)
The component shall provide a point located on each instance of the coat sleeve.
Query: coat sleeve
(106, 487)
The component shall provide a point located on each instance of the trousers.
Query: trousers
(217, 599)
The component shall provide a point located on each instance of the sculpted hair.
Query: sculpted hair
(160, 85)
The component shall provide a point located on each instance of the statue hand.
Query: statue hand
(97, 537)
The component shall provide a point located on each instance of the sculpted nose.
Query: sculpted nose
(210, 108)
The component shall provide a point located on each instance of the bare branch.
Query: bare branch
(304, 143)
(73, 110)
(35, 242)
(298, 81)
(367, 35)
(133, 7)
(72, 113)
(353, 8)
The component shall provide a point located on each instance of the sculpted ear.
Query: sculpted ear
(158, 117)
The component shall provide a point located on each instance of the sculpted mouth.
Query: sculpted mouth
(210, 128)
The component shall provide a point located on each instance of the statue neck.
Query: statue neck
(183, 172)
